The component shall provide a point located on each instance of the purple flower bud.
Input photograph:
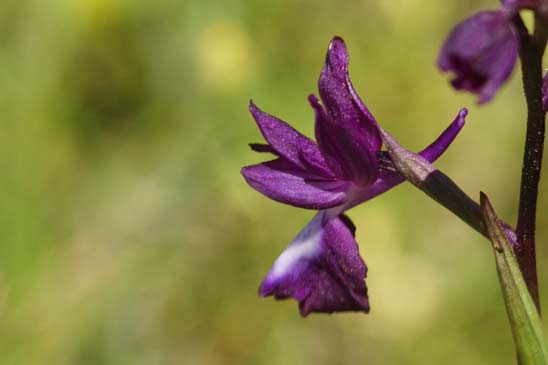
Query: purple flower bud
(481, 53)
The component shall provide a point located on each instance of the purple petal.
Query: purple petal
(481, 52)
(347, 158)
(389, 178)
(280, 180)
(340, 99)
(351, 152)
(289, 143)
(321, 269)
(440, 145)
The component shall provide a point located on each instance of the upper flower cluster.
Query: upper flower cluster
(322, 267)
(481, 51)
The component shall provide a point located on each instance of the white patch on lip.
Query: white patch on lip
(304, 246)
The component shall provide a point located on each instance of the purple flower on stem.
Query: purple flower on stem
(322, 268)
(481, 52)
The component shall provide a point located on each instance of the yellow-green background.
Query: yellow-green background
(128, 236)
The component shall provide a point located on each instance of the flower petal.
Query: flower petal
(280, 180)
(321, 268)
(340, 99)
(289, 143)
(346, 156)
(358, 137)
(481, 52)
(440, 145)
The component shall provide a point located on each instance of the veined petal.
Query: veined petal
(358, 137)
(346, 153)
(341, 100)
(321, 269)
(287, 142)
(280, 180)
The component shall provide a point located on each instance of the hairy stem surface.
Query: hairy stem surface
(531, 51)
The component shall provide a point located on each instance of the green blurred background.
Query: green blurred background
(128, 236)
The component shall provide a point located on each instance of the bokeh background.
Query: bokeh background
(128, 236)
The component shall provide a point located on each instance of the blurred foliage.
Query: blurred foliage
(128, 235)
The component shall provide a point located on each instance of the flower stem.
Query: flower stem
(438, 186)
(531, 51)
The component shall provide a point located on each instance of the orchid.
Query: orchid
(322, 268)
(345, 166)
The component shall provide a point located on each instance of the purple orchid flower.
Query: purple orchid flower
(322, 268)
(481, 52)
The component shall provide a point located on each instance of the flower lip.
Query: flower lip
(321, 268)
